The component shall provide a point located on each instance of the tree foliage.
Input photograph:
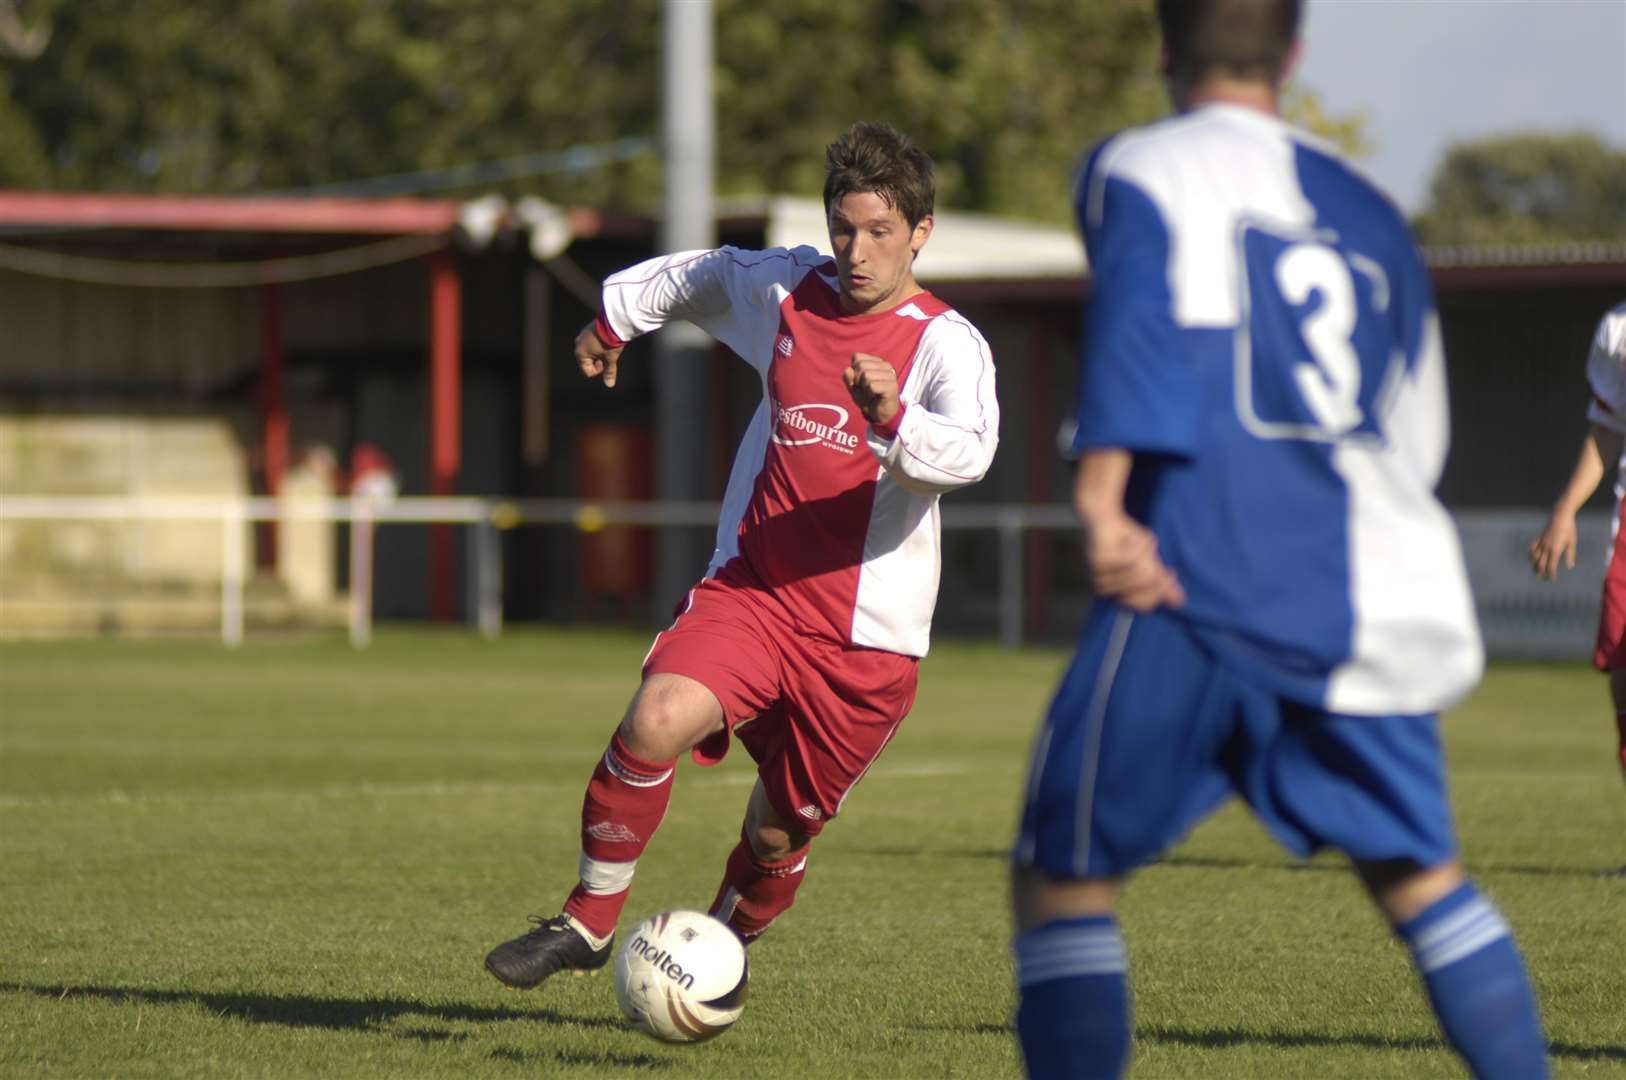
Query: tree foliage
(1301, 107)
(259, 95)
(1527, 189)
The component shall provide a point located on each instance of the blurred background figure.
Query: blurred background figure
(1603, 449)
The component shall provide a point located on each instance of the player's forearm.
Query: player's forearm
(946, 439)
(1098, 489)
(931, 455)
(648, 295)
(1599, 447)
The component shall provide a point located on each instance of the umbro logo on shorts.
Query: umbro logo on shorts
(611, 833)
(810, 812)
(785, 345)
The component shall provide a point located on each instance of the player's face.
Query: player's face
(875, 252)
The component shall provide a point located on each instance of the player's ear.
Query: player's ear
(922, 233)
(1290, 63)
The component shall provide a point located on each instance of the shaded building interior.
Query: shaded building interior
(452, 358)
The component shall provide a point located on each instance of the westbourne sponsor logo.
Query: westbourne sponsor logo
(803, 425)
(662, 961)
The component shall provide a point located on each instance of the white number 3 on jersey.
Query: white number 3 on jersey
(1299, 373)
(1332, 385)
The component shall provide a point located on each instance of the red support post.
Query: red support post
(273, 396)
(445, 421)
(273, 408)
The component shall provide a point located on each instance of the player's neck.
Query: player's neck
(1218, 90)
(907, 290)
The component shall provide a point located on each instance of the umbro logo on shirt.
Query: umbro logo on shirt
(785, 345)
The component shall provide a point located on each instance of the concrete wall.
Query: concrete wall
(135, 456)
(85, 576)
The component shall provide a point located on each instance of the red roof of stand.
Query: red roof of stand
(211, 213)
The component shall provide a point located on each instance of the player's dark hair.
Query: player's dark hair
(1247, 39)
(877, 158)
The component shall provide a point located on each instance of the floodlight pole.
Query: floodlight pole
(688, 125)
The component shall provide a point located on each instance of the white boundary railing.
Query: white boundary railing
(1520, 615)
(485, 517)
(233, 515)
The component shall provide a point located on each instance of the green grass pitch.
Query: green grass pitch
(289, 860)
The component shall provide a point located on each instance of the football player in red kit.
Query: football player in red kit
(803, 637)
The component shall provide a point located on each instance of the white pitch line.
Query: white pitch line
(331, 791)
(433, 789)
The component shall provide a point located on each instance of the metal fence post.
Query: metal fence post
(233, 569)
(361, 574)
(1011, 613)
(484, 597)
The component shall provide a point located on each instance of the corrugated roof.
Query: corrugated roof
(1568, 254)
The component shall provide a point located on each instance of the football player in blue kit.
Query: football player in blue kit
(1282, 608)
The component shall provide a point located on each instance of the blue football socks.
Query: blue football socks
(1073, 1016)
(1478, 986)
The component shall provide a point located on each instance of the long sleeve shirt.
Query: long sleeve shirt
(836, 517)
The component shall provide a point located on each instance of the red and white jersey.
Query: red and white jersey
(837, 519)
(1606, 375)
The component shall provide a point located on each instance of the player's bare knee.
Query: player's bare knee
(667, 716)
(773, 836)
(656, 731)
(1037, 898)
(771, 843)
(1404, 890)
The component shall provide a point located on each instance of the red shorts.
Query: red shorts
(1610, 652)
(814, 714)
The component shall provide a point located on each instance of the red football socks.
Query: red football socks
(754, 893)
(625, 802)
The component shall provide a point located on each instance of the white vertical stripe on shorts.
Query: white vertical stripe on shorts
(1093, 722)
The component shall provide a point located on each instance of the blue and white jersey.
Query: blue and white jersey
(1261, 333)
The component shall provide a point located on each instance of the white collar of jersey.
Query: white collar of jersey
(1243, 113)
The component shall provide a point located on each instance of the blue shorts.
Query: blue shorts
(1148, 734)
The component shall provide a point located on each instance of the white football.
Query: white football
(680, 976)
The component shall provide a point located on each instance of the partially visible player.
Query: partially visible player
(803, 638)
(1282, 606)
(1603, 446)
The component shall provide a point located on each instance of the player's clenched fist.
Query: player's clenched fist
(594, 358)
(873, 386)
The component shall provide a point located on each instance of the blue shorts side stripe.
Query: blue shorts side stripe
(1027, 842)
(1148, 734)
(1093, 724)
